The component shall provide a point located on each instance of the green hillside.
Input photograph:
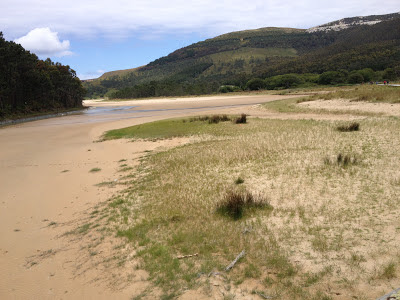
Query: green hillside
(234, 58)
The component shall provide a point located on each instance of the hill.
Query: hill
(234, 58)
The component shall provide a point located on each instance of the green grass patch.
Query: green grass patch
(175, 128)
(94, 170)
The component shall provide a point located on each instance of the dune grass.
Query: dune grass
(333, 226)
(369, 93)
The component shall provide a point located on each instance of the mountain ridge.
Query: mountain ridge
(353, 21)
(235, 57)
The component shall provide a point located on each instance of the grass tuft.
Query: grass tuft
(342, 160)
(215, 119)
(354, 126)
(236, 202)
(389, 271)
(94, 170)
(239, 180)
(242, 119)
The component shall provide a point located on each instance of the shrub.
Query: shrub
(255, 84)
(355, 77)
(242, 119)
(228, 89)
(215, 119)
(354, 126)
(283, 81)
(332, 77)
(235, 202)
(239, 180)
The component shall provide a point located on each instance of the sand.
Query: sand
(45, 185)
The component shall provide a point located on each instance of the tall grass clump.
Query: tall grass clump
(236, 202)
(354, 126)
(242, 119)
(214, 119)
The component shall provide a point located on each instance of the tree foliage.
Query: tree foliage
(29, 85)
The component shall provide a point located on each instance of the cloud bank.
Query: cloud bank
(44, 42)
(140, 18)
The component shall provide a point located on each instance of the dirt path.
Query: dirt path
(45, 183)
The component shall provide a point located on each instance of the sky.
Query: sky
(96, 36)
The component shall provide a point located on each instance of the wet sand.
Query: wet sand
(45, 183)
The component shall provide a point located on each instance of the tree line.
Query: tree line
(29, 85)
(278, 82)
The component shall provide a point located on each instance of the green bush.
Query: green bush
(355, 77)
(255, 84)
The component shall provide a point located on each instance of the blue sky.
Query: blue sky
(95, 36)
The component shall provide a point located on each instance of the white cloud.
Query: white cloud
(44, 42)
(91, 74)
(122, 18)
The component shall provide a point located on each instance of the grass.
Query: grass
(94, 170)
(343, 160)
(175, 128)
(330, 225)
(290, 106)
(236, 202)
(353, 126)
(239, 180)
(389, 271)
(369, 93)
(241, 120)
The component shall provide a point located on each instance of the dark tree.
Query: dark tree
(29, 85)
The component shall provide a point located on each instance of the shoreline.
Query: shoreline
(42, 117)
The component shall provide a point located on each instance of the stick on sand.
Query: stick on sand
(241, 254)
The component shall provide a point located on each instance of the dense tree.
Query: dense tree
(29, 85)
(355, 77)
(255, 84)
(283, 81)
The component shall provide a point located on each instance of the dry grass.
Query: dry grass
(370, 93)
(330, 230)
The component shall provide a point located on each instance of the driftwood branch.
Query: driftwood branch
(241, 254)
(186, 256)
(391, 295)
